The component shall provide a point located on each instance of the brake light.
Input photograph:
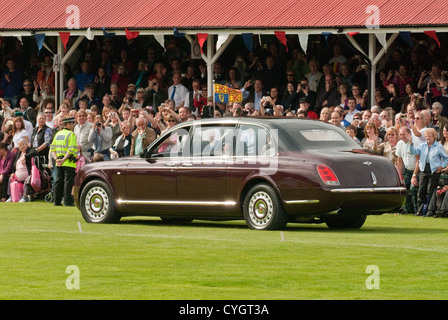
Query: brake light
(327, 175)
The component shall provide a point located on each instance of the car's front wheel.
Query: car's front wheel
(263, 210)
(97, 204)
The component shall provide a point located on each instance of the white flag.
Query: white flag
(303, 38)
(160, 39)
(89, 34)
(221, 40)
(381, 36)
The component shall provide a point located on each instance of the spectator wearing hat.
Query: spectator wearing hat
(304, 91)
(305, 106)
(63, 151)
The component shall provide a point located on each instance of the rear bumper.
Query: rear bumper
(376, 200)
(371, 190)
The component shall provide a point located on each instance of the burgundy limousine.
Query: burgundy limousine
(267, 171)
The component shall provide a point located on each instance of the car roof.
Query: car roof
(277, 122)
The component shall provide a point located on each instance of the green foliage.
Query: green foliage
(144, 258)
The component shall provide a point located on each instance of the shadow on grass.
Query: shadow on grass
(294, 227)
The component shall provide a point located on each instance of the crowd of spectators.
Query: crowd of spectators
(123, 96)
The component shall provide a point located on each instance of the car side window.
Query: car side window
(212, 140)
(253, 141)
(175, 144)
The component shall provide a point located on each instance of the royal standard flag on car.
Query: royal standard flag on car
(224, 94)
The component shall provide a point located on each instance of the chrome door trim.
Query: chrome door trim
(190, 203)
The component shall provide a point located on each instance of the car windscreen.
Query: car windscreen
(319, 138)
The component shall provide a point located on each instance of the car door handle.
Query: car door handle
(187, 164)
(170, 164)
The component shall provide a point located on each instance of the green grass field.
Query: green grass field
(143, 258)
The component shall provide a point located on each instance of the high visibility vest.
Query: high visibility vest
(65, 141)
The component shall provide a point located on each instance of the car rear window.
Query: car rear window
(320, 138)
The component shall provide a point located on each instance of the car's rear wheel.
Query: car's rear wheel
(97, 204)
(353, 222)
(263, 210)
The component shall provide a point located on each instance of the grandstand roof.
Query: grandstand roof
(38, 15)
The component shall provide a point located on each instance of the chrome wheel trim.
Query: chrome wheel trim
(96, 203)
(261, 209)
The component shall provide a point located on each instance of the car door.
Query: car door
(151, 182)
(255, 156)
(201, 178)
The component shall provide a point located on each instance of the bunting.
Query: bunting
(131, 34)
(221, 39)
(177, 34)
(40, 38)
(160, 38)
(432, 34)
(303, 39)
(326, 35)
(247, 37)
(406, 36)
(201, 39)
(381, 36)
(108, 34)
(64, 38)
(89, 34)
(281, 35)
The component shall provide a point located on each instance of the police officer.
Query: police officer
(64, 151)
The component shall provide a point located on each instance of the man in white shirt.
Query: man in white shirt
(314, 76)
(178, 92)
(406, 163)
(351, 103)
(254, 96)
(82, 130)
